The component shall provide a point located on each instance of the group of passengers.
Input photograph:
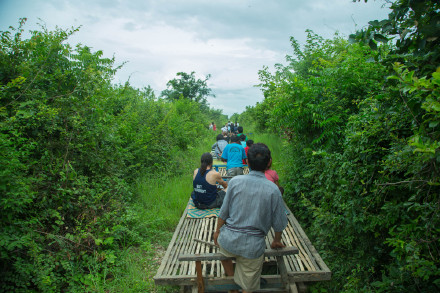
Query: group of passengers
(230, 127)
(250, 204)
(232, 149)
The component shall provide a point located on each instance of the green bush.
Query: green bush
(72, 148)
(361, 162)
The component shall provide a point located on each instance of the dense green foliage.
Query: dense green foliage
(72, 148)
(188, 87)
(363, 152)
(414, 25)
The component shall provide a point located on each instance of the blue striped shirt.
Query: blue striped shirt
(251, 207)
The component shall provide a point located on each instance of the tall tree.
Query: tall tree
(188, 87)
(414, 28)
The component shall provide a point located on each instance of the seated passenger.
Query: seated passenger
(219, 146)
(205, 194)
(243, 140)
(272, 175)
(240, 131)
(234, 155)
(249, 143)
(226, 137)
(225, 128)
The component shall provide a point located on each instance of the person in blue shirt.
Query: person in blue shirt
(234, 154)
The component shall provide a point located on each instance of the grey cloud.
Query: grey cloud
(160, 38)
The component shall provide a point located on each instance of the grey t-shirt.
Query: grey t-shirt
(251, 207)
(221, 146)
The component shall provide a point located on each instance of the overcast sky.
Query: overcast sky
(229, 39)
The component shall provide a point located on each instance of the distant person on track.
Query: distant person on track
(225, 128)
(240, 132)
(251, 207)
(243, 139)
(234, 155)
(235, 127)
(205, 194)
(219, 146)
(214, 127)
(226, 136)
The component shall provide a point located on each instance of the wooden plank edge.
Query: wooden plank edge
(219, 256)
(294, 277)
(173, 239)
(306, 239)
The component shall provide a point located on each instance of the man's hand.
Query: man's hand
(277, 244)
(220, 223)
(216, 233)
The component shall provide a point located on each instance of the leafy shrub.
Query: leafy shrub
(72, 147)
(361, 161)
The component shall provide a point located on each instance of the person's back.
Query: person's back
(234, 155)
(243, 140)
(240, 132)
(204, 191)
(205, 194)
(219, 146)
(226, 137)
(251, 207)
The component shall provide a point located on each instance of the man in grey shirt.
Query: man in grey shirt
(220, 145)
(251, 207)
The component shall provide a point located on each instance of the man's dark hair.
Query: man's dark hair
(240, 129)
(258, 157)
(235, 138)
(205, 161)
(249, 143)
(220, 137)
(243, 137)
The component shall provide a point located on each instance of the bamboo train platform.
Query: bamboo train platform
(193, 262)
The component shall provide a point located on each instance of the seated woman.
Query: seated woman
(205, 194)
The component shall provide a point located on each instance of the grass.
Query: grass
(164, 198)
(161, 202)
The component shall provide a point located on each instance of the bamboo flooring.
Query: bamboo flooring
(306, 266)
